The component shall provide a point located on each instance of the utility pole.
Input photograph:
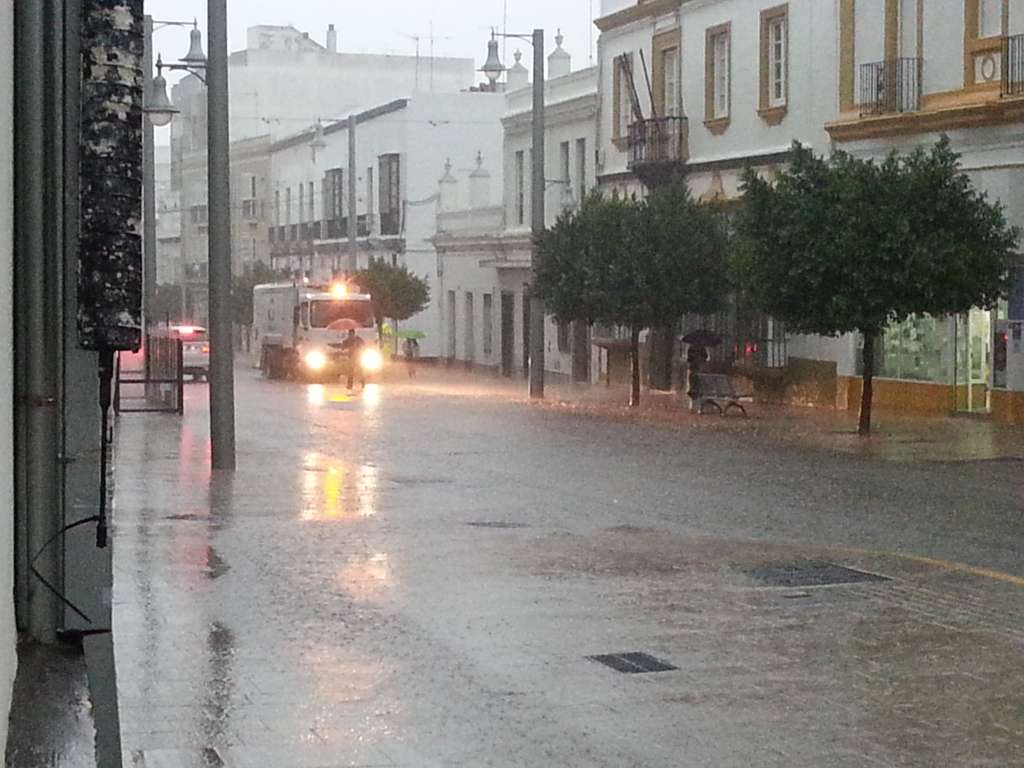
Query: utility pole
(537, 215)
(353, 221)
(222, 373)
(148, 191)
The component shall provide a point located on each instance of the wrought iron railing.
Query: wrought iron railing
(891, 86)
(1013, 65)
(658, 140)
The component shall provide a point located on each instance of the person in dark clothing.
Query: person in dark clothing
(696, 357)
(353, 347)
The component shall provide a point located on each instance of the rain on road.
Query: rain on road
(420, 576)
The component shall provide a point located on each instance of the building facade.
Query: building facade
(283, 82)
(702, 90)
(398, 149)
(911, 72)
(485, 243)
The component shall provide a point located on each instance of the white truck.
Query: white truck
(302, 331)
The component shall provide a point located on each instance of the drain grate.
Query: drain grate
(633, 662)
(810, 573)
(496, 524)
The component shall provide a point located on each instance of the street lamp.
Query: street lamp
(213, 74)
(492, 69)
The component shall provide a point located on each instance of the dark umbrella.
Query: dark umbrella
(702, 338)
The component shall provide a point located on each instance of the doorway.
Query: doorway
(975, 369)
(508, 333)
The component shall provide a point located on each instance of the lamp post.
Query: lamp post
(492, 69)
(161, 111)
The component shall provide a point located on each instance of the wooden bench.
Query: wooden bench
(718, 391)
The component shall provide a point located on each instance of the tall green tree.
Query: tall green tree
(638, 264)
(397, 293)
(843, 245)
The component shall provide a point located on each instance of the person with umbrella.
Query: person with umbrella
(696, 358)
(353, 346)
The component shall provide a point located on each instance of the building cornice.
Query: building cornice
(642, 10)
(580, 108)
(995, 112)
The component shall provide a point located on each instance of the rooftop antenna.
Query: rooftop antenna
(431, 37)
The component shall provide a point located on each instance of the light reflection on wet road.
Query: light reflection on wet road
(402, 577)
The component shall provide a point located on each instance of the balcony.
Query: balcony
(658, 149)
(890, 87)
(1013, 66)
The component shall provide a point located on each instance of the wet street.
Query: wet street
(422, 576)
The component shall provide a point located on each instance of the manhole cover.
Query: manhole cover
(496, 524)
(810, 573)
(633, 662)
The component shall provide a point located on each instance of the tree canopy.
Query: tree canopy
(397, 293)
(634, 263)
(843, 244)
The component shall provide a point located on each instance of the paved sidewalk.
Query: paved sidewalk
(896, 437)
(420, 575)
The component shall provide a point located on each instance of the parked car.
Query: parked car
(195, 350)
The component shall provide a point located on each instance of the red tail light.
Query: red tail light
(206, 350)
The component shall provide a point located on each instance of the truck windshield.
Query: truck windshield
(323, 313)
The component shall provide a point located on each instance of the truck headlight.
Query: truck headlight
(315, 360)
(371, 360)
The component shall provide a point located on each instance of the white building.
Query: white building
(723, 84)
(954, 68)
(485, 247)
(400, 148)
(282, 82)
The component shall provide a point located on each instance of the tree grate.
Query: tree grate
(633, 662)
(810, 573)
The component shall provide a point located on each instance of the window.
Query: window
(302, 203)
(520, 190)
(390, 194)
(721, 79)
(200, 214)
(717, 78)
(333, 192)
(488, 325)
(288, 205)
(563, 162)
(622, 96)
(469, 339)
(369, 192)
(277, 207)
(774, 59)
(581, 169)
(311, 197)
(670, 79)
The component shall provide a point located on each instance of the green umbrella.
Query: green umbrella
(412, 335)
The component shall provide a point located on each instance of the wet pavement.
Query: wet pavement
(421, 575)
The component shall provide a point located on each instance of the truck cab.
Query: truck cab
(301, 330)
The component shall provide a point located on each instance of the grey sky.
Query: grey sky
(383, 26)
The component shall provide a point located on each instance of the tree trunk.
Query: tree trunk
(662, 345)
(867, 391)
(634, 353)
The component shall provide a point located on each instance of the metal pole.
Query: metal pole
(38, 178)
(222, 373)
(353, 221)
(148, 188)
(537, 214)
